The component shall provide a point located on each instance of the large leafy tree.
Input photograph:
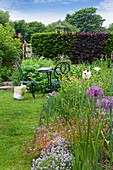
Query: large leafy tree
(26, 29)
(35, 27)
(4, 17)
(21, 27)
(61, 26)
(86, 19)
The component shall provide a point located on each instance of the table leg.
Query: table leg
(49, 83)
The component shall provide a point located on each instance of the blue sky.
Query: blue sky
(48, 11)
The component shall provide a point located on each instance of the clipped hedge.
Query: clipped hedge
(89, 46)
(50, 45)
(78, 46)
(109, 45)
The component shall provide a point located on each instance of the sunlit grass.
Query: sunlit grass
(17, 122)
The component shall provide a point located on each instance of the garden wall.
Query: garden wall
(78, 46)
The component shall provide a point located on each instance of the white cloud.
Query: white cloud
(62, 1)
(16, 15)
(105, 9)
(66, 2)
(46, 18)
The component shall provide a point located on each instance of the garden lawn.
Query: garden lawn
(18, 118)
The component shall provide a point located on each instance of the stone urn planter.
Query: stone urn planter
(18, 94)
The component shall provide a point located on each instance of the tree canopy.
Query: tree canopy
(61, 26)
(86, 19)
(21, 27)
(35, 27)
(26, 29)
(4, 17)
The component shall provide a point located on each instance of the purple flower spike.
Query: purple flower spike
(47, 97)
(53, 93)
(106, 103)
(50, 94)
(95, 92)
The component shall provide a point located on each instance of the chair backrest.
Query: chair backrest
(64, 68)
(20, 71)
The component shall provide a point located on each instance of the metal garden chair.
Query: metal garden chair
(26, 82)
(61, 70)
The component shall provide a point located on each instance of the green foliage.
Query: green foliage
(9, 47)
(87, 145)
(4, 17)
(110, 28)
(35, 27)
(50, 45)
(21, 27)
(61, 26)
(15, 77)
(26, 29)
(29, 68)
(86, 20)
(72, 94)
(109, 45)
(6, 73)
(88, 128)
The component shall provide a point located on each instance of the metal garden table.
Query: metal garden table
(48, 71)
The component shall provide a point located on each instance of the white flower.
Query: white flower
(86, 74)
(97, 68)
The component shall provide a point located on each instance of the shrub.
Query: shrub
(50, 45)
(9, 47)
(80, 47)
(29, 68)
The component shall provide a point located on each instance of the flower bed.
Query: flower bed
(78, 117)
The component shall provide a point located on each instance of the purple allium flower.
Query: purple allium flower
(95, 92)
(106, 103)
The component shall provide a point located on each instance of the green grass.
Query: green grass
(18, 118)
